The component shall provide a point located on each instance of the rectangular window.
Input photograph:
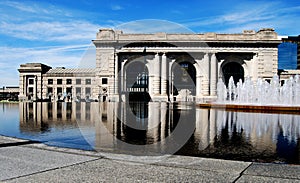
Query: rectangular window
(50, 81)
(88, 91)
(88, 81)
(78, 81)
(104, 81)
(59, 81)
(50, 90)
(78, 91)
(30, 90)
(59, 90)
(69, 81)
(69, 90)
(31, 81)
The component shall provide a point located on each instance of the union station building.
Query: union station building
(156, 67)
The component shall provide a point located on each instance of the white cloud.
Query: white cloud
(50, 31)
(34, 8)
(116, 7)
(23, 7)
(57, 56)
(250, 16)
(42, 24)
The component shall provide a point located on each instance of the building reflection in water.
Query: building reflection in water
(203, 132)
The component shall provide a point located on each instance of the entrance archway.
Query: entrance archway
(233, 69)
(137, 81)
(184, 74)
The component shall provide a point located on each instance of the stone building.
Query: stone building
(158, 67)
(39, 81)
(9, 93)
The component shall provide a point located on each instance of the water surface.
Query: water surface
(157, 128)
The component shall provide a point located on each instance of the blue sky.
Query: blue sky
(59, 32)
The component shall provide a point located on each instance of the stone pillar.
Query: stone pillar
(171, 80)
(35, 90)
(116, 74)
(23, 85)
(122, 80)
(156, 71)
(205, 84)
(164, 76)
(254, 67)
(122, 76)
(213, 75)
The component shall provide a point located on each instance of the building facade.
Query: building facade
(9, 93)
(41, 82)
(157, 67)
(295, 40)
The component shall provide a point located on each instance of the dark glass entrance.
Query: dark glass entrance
(184, 77)
(137, 81)
(233, 69)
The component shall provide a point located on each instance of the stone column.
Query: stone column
(156, 71)
(122, 76)
(254, 67)
(213, 75)
(205, 84)
(122, 80)
(24, 86)
(116, 73)
(164, 74)
(171, 80)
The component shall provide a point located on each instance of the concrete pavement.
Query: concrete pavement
(26, 161)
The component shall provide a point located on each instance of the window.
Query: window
(88, 91)
(88, 81)
(69, 91)
(104, 81)
(69, 81)
(59, 81)
(30, 90)
(59, 90)
(78, 91)
(50, 90)
(50, 81)
(31, 81)
(78, 94)
(78, 81)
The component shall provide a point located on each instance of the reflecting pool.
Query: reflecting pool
(157, 128)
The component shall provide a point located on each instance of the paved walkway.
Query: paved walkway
(26, 161)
